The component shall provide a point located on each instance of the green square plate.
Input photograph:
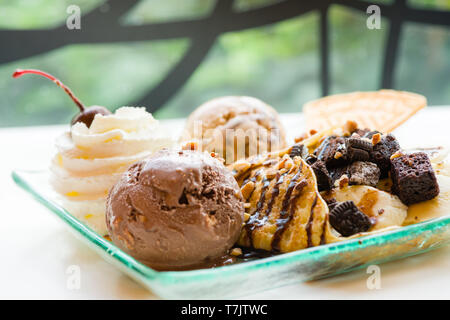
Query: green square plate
(253, 276)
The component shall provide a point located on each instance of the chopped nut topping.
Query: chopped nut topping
(350, 126)
(376, 138)
(294, 166)
(312, 132)
(396, 155)
(190, 146)
(338, 155)
(342, 182)
(247, 189)
(271, 173)
(288, 164)
(282, 162)
(236, 252)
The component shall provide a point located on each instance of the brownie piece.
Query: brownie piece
(348, 220)
(382, 151)
(324, 181)
(413, 178)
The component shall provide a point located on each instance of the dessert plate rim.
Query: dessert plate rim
(144, 271)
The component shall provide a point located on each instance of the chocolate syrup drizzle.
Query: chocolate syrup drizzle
(254, 220)
(252, 179)
(310, 220)
(294, 190)
(324, 230)
(283, 220)
(288, 209)
(275, 193)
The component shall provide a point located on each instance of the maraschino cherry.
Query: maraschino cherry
(86, 115)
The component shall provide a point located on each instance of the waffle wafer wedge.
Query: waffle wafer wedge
(382, 110)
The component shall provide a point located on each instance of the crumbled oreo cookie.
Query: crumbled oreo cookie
(339, 151)
(358, 173)
(362, 146)
(337, 173)
(332, 151)
(348, 220)
(413, 178)
(299, 150)
(358, 149)
(382, 151)
(363, 173)
(331, 203)
(324, 181)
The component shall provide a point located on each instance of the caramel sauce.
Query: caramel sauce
(368, 200)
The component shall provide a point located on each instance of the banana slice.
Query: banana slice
(384, 209)
(285, 211)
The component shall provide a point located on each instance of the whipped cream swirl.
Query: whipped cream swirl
(89, 161)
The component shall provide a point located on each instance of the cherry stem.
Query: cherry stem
(19, 72)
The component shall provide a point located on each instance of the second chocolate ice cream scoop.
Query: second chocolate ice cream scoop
(176, 210)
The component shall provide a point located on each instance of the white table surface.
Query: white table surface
(36, 249)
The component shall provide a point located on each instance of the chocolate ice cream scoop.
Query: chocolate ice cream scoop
(175, 210)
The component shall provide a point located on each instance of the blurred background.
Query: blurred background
(172, 55)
